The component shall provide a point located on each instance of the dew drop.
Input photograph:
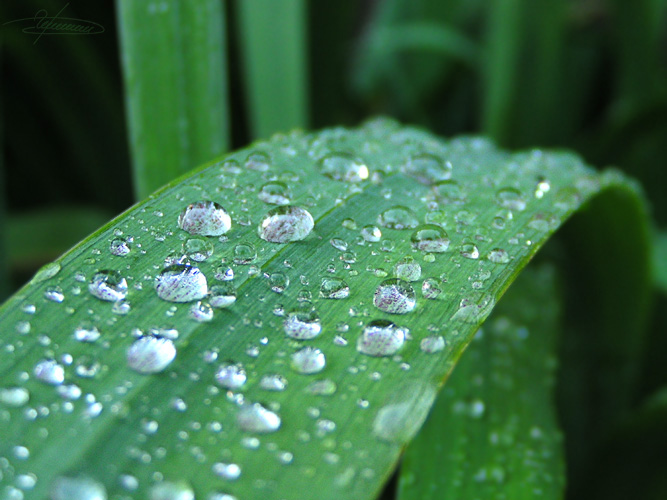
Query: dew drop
(273, 382)
(407, 269)
(278, 282)
(54, 294)
(86, 332)
(543, 187)
(205, 218)
(431, 288)
(50, 372)
(167, 490)
(46, 272)
(381, 337)
(395, 296)
(231, 376)
(202, 312)
(343, 167)
(302, 325)
(334, 288)
(224, 273)
(511, 198)
(77, 488)
(449, 192)
(324, 387)
(285, 224)
(398, 217)
(371, 233)
(469, 250)
(308, 360)
(227, 471)
(427, 168)
(108, 285)
(244, 254)
(432, 344)
(150, 354)
(430, 238)
(120, 247)
(400, 419)
(197, 249)
(474, 309)
(14, 397)
(275, 193)
(258, 161)
(223, 295)
(253, 417)
(499, 256)
(181, 283)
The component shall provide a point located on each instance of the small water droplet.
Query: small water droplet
(46, 272)
(77, 488)
(428, 168)
(205, 218)
(150, 354)
(108, 285)
(308, 360)
(253, 417)
(469, 250)
(202, 312)
(334, 288)
(227, 471)
(285, 224)
(398, 217)
(197, 249)
(167, 490)
(14, 396)
(224, 273)
(430, 238)
(223, 295)
(543, 187)
(499, 256)
(244, 254)
(381, 337)
(371, 233)
(338, 244)
(50, 372)
(258, 161)
(395, 296)
(435, 343)
(54, 294)
(120, 246)
(404, 413)
(86, 332)
(181, 283)
(407, 269)
(474, 309)
(324, 387)
(343, 167)
(449, 192)
(273, 382)
(511, 198)
(302, 325)
(278, 282)
(431, 288)
(275, 193)
(231, 376)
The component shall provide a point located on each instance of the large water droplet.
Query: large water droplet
(151, 354)
(381, 338)
(77, 488)
(398, 217)
(231, 376)
(302, 325)
(343, 167)
(428, 168)
(285, 224)
(407, 269)
(308, 360)
(275, 193)
(255, 418)
(334, 288)
(395, 296)
(108, 285)
(205, 218)
(50, 372)
(181, 283)
(430, 238)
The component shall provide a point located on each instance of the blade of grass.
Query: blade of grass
(341, 437)
(492, 432)
(273, 47)
(174, 68)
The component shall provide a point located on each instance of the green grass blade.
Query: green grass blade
(273, 47)
(660, 260)
(180, 424)
(174, 67)
(493, 430)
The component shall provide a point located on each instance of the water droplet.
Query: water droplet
(302, 325)
(244, 254)
(77, 488)
(308, 360)
(474, 309)
(181, 283)
(285, 224)
(499, 256)
(202, 312)
(197, 249)
(431, 288)
(278, 282)
(407, 269)
(14, 396)
(108, 285)
(381, 338)
(255, 418)
(167, 490)
(258, 161)
(275, 193)
(407, 408)
(449, 192)
(338, 244)
(46, 272)
(334, 288)
(205, 218)
(229, 472)
(435, 343)
(231, 376)
(223, 295)
(542, 188)
(469, 250)
(50, 372)
(54, 294)
(371, 233)
(151, 354)
(273, 382)
(324, 387)
(511, 198)
(430, 238)
(343, 167)
(428, 168)
(398, 217)
(395, 296)
(86, 332)
(120, 246)
(224, 273)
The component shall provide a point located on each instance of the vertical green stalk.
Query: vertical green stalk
(174, 65)
(4, 268)
(273, 47)
(502, 53)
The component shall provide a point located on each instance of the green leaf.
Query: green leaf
(174, 67)
(273, 43)
(136, 433)
(493, 431)
(660, 261)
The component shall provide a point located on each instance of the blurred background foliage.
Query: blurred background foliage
(587, 75)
